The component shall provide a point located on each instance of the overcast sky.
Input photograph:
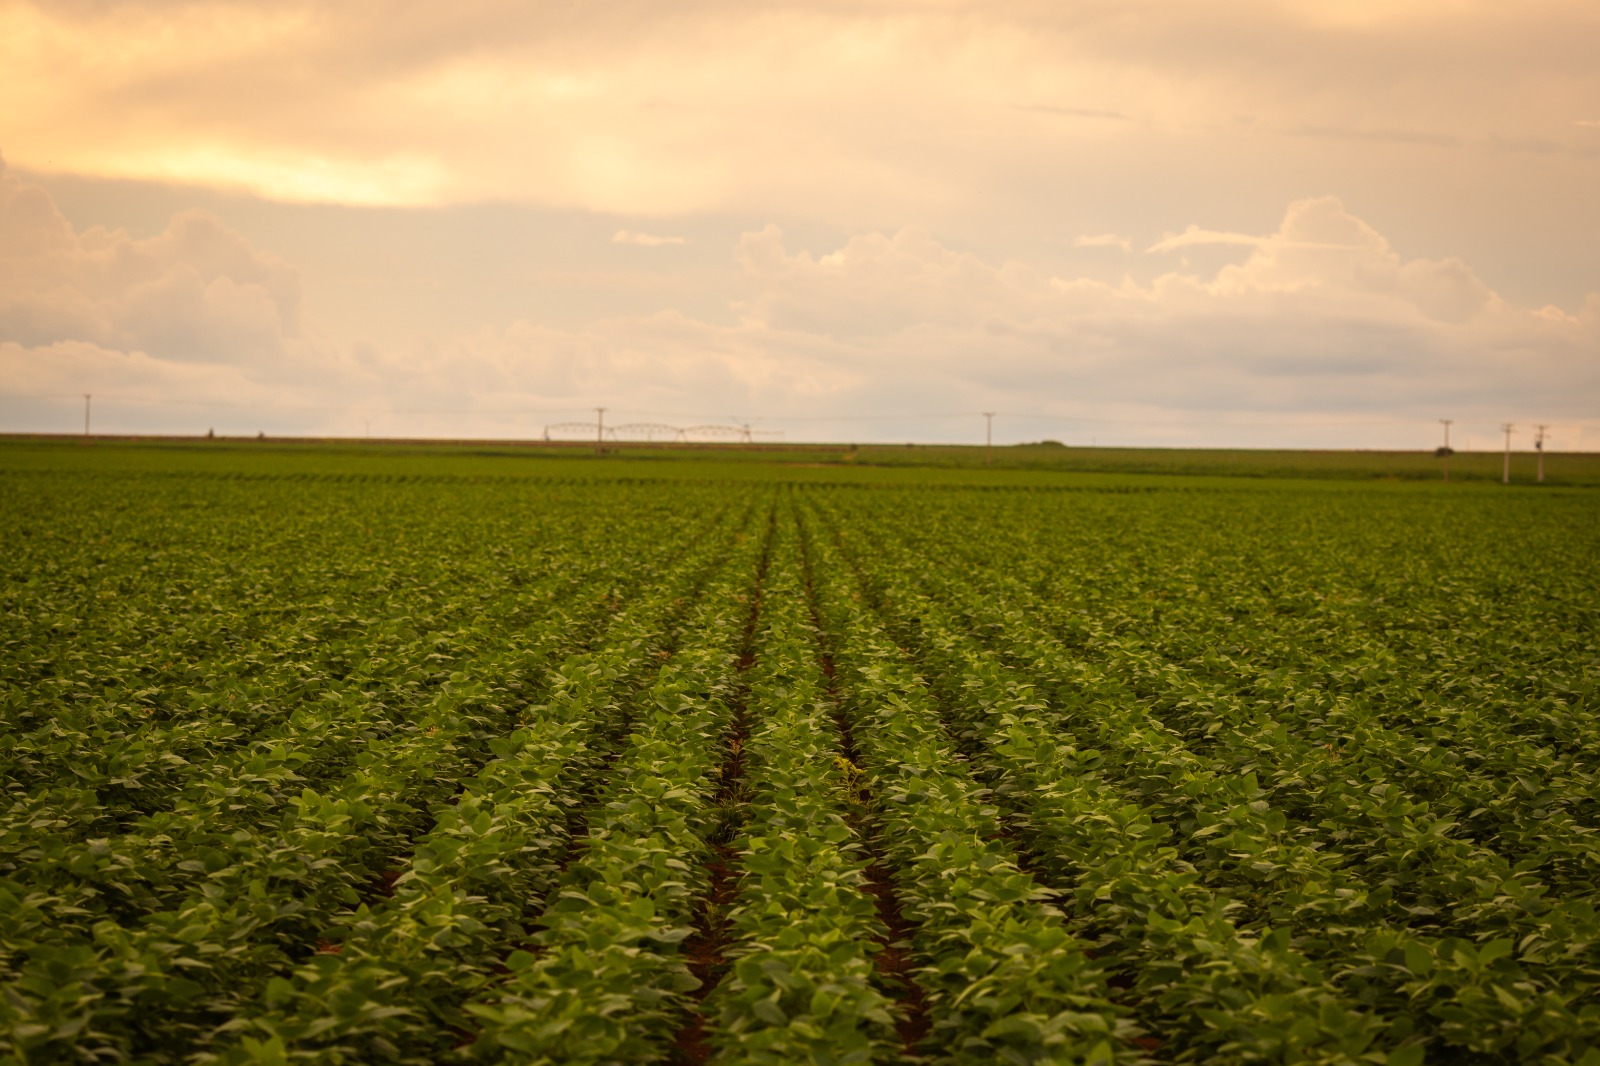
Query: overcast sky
(1238, 222)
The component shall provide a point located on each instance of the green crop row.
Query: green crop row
(603, 980)
(391, 977)
(800, 986)
(1005, 979)
(189, 910)
(1351, 906)
(528, 768)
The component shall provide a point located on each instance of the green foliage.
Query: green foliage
(801, 986)
(334, 758)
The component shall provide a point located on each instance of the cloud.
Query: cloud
(1103, 240)
(1323, 315)
(766, 109)
(648, 240)
(1194, 236)
(1322, 250)
(1322, 319)
(196, 292)
(192, 318)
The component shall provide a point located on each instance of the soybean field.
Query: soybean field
(436, 758)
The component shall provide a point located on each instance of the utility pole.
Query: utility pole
(1445, 451)
(988, 436)
(1505, 472)
(86, 414)
(1538, 446)
(599, 430)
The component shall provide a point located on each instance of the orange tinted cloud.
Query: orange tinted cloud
(835, 110)
(978, 201)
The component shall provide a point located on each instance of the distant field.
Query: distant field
(1561, 468)
(476, 753)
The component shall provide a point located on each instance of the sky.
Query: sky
(1261, 223)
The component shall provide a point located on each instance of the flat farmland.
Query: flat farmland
(339, 756)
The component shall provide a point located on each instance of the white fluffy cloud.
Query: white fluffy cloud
(1323, 315)
(195, 293)
(1320, 319)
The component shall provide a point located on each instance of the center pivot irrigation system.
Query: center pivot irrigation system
(599, 432)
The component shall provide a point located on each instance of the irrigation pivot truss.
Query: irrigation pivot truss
(654, 431)
(741, 432)
(645, 430)
(571, 431)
